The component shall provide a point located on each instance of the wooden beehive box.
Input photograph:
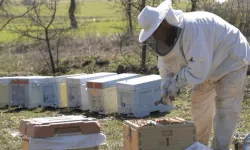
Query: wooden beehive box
(156, 135)
(51, 126)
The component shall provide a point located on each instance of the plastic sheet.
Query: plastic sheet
(67, 142)
(198, 146)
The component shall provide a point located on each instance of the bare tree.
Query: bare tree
(46, 32)
(72, 17)
(132, 8)
(10, 16)
(236, 12)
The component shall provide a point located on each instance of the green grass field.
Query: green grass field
(108, 18)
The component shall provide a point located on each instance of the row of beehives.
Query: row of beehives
(104, 92)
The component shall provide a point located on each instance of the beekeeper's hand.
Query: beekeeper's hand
(173, 90)
(169, 91)
(165, 83)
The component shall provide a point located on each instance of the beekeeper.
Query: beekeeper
(201, 50)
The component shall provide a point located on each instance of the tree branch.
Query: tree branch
(53, 16)
(43, 55)
(39, 21)
(26, 34)
(1, 3)
(15, 17)
(120, 46)
(134, 5)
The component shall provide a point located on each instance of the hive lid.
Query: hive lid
(60, 119)
(28, 79)
(49, 126)
(63, 77)
(110, 80)
(141, 82)
(84, 78)
(7, 80)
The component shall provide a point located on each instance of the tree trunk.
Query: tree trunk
(194, 5)
(72, 17)
(50, 52)
(130, 19)
(144, 55)
(1, 2)
(144, 45)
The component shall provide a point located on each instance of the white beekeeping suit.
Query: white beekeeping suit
(212, 56)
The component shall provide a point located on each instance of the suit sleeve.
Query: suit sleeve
(164, 72)
(197, 55)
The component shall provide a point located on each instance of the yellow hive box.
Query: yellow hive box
(62, 90)
(4, 90)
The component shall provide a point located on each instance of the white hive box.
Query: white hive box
(4, 91)
(102, 93)
(137, 96)
(77, 89)
(26, 91)
(62, 100)
(48, 92)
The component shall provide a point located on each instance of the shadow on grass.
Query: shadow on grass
(158, 114)
(15, 109)
(110, 116)
(73, 111)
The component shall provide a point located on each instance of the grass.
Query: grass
(112, 127)
(107, 19)
(83, 9)
(100, 28)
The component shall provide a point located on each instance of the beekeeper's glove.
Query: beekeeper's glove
(169, 90)
(173, 90)
(165, 83)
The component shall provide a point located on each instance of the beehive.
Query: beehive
(77, 89)
(25, 145)
(26, 91)
(48, 89)
(4, 91)
(153, 135)
(102, 93)
(51, 126)
(137, 96)
(62, 100)
(47, 128)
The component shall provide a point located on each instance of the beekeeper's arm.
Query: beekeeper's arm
(165, 74)
(198, 57)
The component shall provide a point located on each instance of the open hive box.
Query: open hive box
(158, 134)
